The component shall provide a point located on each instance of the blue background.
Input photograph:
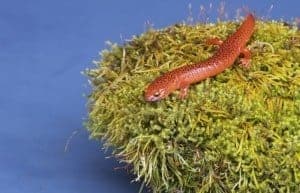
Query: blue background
(44, 45)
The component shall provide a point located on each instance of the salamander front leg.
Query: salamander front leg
(246, 58)
(183, 91)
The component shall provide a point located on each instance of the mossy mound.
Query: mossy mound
(236, 132)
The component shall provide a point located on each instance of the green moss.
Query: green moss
(236, 132)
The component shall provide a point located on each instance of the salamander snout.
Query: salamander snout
(153, 94)
(160, 88)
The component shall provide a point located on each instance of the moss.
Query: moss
(236, 132)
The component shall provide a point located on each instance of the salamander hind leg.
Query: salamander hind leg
(214, 41)
(183, 91)
(246, 58)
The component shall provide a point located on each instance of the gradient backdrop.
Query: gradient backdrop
(43, 47)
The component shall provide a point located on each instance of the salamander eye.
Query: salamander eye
(157, 94)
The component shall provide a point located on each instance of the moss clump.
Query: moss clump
(236, 132)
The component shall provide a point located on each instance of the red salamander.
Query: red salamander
(181, 78)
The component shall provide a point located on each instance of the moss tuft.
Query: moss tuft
(236, 132)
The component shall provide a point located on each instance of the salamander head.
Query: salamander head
(159, 89)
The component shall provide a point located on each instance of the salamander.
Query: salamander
(181, 78)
